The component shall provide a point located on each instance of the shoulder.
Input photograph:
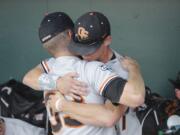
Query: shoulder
(49, 61)
(96, 65)
(118, 55)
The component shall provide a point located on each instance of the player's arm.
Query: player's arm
(104, 115)
(129, 92)
(134, 90)
(31, 78)
(38, 79)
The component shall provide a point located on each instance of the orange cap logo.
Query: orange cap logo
(82, 33)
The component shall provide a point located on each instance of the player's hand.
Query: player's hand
(129, 63)
(46, 97)
(55, 101)
(69, 85)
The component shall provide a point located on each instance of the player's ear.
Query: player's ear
(108, 40)
(70, 33)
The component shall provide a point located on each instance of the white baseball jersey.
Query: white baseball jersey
(129, 123)
(96, 75)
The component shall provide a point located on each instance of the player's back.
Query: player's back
(88, 72)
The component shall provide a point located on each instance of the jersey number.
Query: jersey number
(70, 122)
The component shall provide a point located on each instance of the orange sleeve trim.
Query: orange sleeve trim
(45, 66)
(105, 82)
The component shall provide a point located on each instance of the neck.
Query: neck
(107, 55)
(62, 53)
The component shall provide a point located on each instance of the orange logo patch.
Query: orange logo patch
(82, 33)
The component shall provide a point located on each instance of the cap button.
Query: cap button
(91, 26)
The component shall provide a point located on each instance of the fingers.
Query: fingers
(80, 83)
(78, 88)
(79, 91)
(51, 104)
(77, 83)
(60, 95)
(129, 63)
(69, 85)
(72, 74)
(55, 96)
(75, 96)
(129, 59)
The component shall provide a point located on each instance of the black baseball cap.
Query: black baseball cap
(90, 30)
(176, 83)
(53, 24)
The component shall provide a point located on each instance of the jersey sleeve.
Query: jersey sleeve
(47, 64)
(114, 89)
(105, 82)
(101, 78)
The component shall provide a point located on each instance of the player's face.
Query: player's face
(177, 92)
(94, 56)
(101, 54)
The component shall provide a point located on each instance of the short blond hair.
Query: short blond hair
(58, 42)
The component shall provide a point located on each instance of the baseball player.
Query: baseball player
(67, 62)
(129, 123)
(103, 67)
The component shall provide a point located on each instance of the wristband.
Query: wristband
(58, 105)
(47, 81)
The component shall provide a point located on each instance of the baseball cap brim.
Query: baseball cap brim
(83, 49)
